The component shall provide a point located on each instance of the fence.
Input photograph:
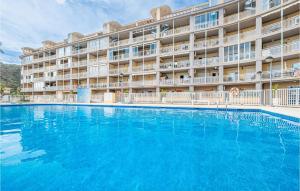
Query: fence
(280, 97)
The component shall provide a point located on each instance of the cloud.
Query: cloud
(26, 23)
(60, 1)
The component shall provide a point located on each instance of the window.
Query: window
(103, 43)
(235, 52)
(206, 20)
(61, 52)
(93, 44)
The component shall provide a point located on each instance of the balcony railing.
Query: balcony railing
(242, 57)
(231, 78)
(181, 47)
(206, 80)
(235, 17)
(248, 77)
(123, 70)
(50, 88)
(119, 43)
(98, 85)
(206, 25)
(149, 67)
(166, 50)
(206, 44)
(182, 81)
(179, 30)
(114, 71)
(118, 84)
(175, 65)
(144, 53)
(120, 57)
(80, 51)
(275, 51)
(276, 27)
(166, 82)
(142, 83)
(269, 4)
(144, 38)
(243, 36)
(290, 73)
(206, 62)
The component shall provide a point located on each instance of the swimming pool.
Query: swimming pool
(109, 148)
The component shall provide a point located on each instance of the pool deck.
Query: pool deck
(286, 111)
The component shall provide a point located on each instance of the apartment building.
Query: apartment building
(213, 46)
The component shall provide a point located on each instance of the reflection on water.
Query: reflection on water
(141, 147)
(109, 111)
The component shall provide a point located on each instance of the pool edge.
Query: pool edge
(262, 109)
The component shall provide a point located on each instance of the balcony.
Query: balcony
(166, 50)
(236, 17)
(290, 48)
(269, 4)
(290, 73)
(50, 78)
(179, 30)
(182, 81)
(206, 80)
(166, 82)
(61, 66)
(243, 36)
(120, 57)
(206, 44)
(98, 85)
(205, 62)
(80, 51)
(50, 68)
(143, 83)
(113, 71)
(79, 64)
(175, 65)
(144, 53)
(38, 79)
(38, 70)
(248, 77)
(181, 48)
(242, 57)
(60, 77)
(147, 37)
(206, 25)
(118, 84)
(124, 70)
(82, 75)
(50, 88)
(116, 71)
(119, 43)
(27, 89)
(276, 27)
(143, 68)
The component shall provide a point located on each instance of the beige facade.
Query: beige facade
(208, 47)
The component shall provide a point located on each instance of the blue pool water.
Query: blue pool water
(106, 148)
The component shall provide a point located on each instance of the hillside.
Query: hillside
(10, 75)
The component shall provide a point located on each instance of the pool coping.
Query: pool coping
(287, 113)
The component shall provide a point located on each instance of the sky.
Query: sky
(26, 23)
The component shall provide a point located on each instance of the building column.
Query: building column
(107, 77)
(258, 54)
(221, 57)
(191, 60)
(88, 79)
